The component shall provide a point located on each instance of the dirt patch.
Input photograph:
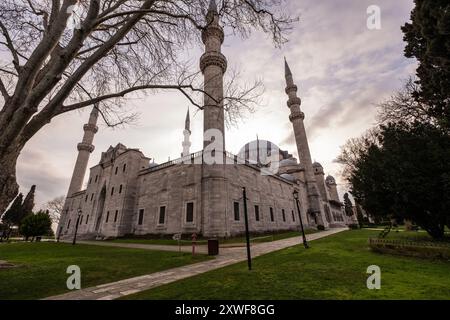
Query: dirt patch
(6, 265)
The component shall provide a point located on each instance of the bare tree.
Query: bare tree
(353, 149)
(55, 208)
(111, 48)
(402, 107)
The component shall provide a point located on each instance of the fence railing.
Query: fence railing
(409, 243)
(190, 159)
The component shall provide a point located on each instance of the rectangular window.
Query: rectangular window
(293, 216)
(86, 199)
(120, 189)
(117, 169)
(190, 212)
(90, 180)
(68, 225)
(257, 213)
(283, 214)
(96, 178)
(81, 220)
(272, 218)
(124, 167)
(141, 216)
(107, 216)
(87, 219)
(236, 211)
(112, 190)
(115, 215)
(162, 215)
(92, 196)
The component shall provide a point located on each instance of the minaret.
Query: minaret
(297, 117)
(187, 133)
(213, 65)
(85, 148)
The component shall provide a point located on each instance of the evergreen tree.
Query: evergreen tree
(407, 176)
(428, 40)
(28, 203)
(359, 215)
(348, 206)
(34, 225)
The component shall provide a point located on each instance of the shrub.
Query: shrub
(353, 226)
(419, 249)
(38, 224)
(320, 227)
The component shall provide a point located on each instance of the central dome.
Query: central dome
(261, 152)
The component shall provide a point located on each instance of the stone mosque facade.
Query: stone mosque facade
(128, 194)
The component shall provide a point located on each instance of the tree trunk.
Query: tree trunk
(8, 182)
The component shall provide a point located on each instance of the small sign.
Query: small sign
(177, 236)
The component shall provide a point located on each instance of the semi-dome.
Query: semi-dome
(288, 162)
(288, 177)
(317, 165)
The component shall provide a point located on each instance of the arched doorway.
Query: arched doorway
(327, 213)
(100, 207)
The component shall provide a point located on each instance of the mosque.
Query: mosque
(128, 194)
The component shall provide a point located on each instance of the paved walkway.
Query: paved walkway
(160, 247)
(227, 257)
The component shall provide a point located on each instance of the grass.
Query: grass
(234, 240)
(41, 267)
(333, 268)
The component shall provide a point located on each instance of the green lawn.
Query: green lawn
(41, 270)
(234, 240)
(333, 268)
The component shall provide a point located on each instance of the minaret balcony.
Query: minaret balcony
(90, 127)
(296, 115)
(82, 146)
(213, 59)
(291, 88)
(294, 102)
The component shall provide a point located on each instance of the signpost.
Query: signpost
(194, 239)
(247, 235)
(177, 237)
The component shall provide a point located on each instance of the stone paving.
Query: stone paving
(227, 257)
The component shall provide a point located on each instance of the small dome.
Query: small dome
(288, 177)
(153, 164)
(288, 162)
(317, 165)
(330, 179)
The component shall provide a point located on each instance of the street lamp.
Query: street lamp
(76, 226)
(295, 193)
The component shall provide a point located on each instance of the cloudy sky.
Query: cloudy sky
(342, 69)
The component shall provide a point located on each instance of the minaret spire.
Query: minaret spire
(85, 148)
(187, 122)
(212, 6)
(213, 65)
(187, 134)
(287, 71)
(297, 117)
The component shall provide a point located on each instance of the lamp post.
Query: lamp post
(305, 244)
(247, 234)
(76, 226)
